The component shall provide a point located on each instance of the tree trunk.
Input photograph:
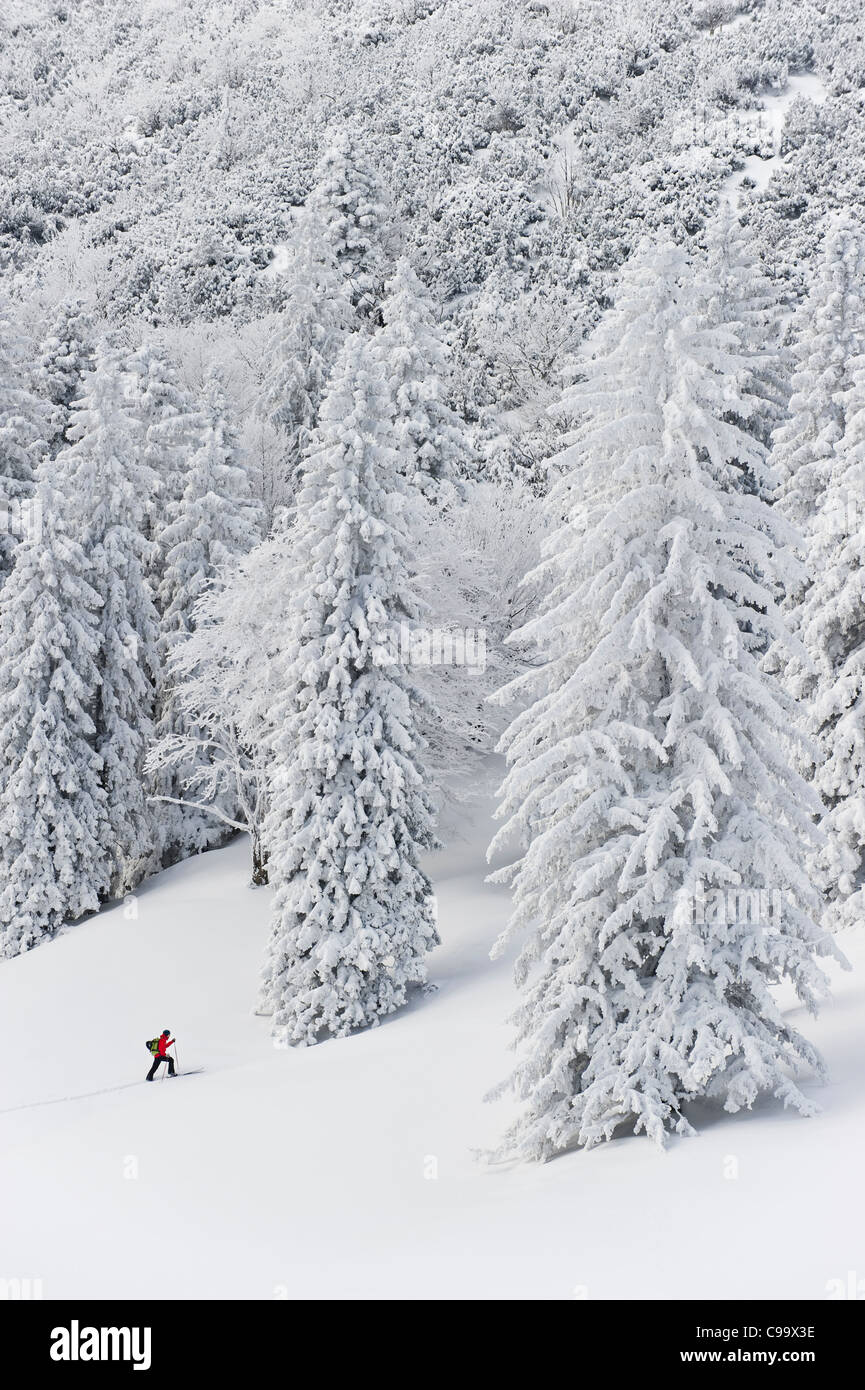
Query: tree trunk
(259, 861)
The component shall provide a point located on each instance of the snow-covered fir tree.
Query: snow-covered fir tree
(349, 811)
(819, 466)
(54, 828)
(350, 205)
(170, 425)
(413, 353)
(740, 292)
(452, 574)
(104, 471)
(225, 681)
(828, 333)
(315, 318)
(218, 522)
(65, 358)
(831, 622)
(651, 782)
(472, 556)
(25, 424)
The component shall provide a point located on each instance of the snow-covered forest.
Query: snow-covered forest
(416, 414)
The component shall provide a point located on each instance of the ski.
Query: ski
(193, 1071)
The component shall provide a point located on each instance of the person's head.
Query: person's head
(166, 1032)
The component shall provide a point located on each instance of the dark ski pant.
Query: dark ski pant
(157, 1062)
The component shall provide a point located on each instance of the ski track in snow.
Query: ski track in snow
(63, 1100)
(88, 1095)
(346, 1170)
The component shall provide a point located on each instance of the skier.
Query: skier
(161, 1055)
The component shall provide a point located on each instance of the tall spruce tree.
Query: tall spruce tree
(740, 293)
(25, 425)
(226, 684)
(661, 888)
(349, 809)
(54, 825)
(831, 622)
(313, 323)
(828, 332)
(413, 354)
(65, 357)
(169, 425)
(217, 523)
(350, 205)
(818, 457)
(104, 471)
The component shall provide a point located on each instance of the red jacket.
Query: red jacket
(161, 1051)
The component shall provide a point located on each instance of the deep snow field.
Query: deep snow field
(346, 1170)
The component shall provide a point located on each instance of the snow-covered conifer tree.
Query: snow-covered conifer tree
(104, 472)
(741, 293)
(828, 331)
(170, 426)
(831, 621)
(472, 556)
(65, 358)
(54, 828)
(414, 357)
(819, 461)
(313, 323)
(25, 424)
(349, 204)
(435, 454)
(217, 520)
(651, 782)
(349, 809)
(217, 523)
(226, 685)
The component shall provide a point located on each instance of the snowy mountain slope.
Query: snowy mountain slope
(345, 1170)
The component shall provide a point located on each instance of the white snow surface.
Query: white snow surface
(346, 1170)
